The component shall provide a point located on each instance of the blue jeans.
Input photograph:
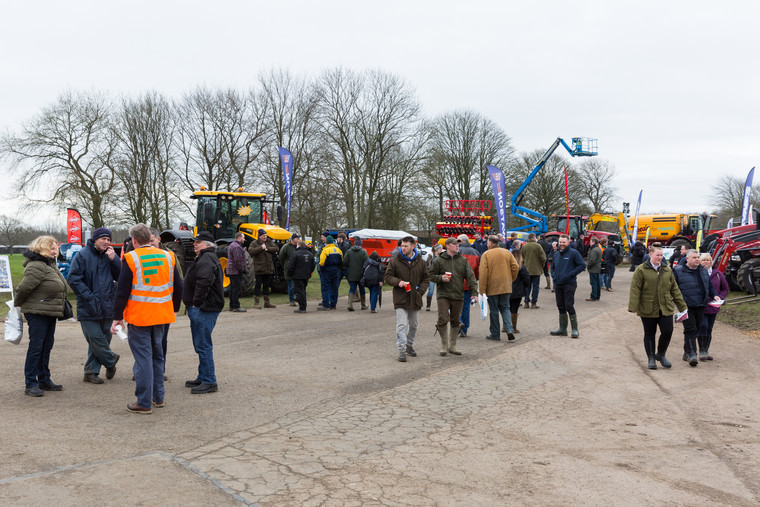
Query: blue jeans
(431, 289)
(352, 289)
(498, 304)
(465, 317)
(374, 291)
(201, 325)
(41, 337)
(531, 295)
(145, 344)
(291, 291)
(98, 336)
(609, 275)
(596, 285)
(330, 282)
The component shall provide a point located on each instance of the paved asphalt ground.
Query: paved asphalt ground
(314, 410)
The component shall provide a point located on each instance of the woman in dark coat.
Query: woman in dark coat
(41, 295)
(519, 288)
(704, 338)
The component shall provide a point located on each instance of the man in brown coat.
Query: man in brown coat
(534, 259)
(262, 251)
(498, 269)
(407, 272)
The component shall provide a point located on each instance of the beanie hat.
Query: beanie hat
(329, 240)
(357, 241)
(262, 232)
(101, 232)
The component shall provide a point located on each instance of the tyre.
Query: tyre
(179, 253)
(748, 276)
(246, 283)
(679, 242)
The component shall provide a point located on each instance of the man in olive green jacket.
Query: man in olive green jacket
(449, 271)
(534, 259)
(653, 295)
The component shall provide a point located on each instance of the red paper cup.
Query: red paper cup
(408, 287)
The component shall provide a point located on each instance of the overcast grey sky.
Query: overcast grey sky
(670, 89)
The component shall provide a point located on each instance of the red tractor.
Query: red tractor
(578, 225)
(736, 253)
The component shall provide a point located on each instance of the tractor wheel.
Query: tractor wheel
(733, 283)
(221, 253)
(179, 253)
(676, 245)
(246, 283)
(748, 276)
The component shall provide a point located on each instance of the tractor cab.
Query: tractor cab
(222, 213)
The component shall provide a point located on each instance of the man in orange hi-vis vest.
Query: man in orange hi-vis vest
(148, 295)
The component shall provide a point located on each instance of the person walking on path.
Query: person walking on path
(567, 263)
(262, 251)
(287, 250)
(520, 287)
(236, 266)
(408, 274)
(611, 259)
(300, 268)
(653, 296)
(148, 295)
(594, 266)
(203, 296)
(449, 272)
(41, 294)
(330, 262)
(473, 259)
(704, 338)
(697, 291)
(437, 249)
(534, 259)
(353, 264)
(373, 279)
(498, 269)
(91, 276)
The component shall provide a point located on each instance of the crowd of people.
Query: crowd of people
(142, 291)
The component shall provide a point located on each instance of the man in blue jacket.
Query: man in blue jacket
(566, 264)
(697, 291)
(91, 276)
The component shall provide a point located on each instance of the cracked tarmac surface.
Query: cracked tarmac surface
(314, 410)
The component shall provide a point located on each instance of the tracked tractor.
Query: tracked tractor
(223, 214)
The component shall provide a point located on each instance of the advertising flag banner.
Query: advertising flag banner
(567, 203)
(499, 197)
(73, 226)
(286, 158)
(745, 201)
(634, 236)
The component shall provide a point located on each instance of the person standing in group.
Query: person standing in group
(473, 259)
(567, 263)
(449, 272)
(534, 259)
(480, 244)
(520, 287)
(719, 283)
(236, 266)
(508, 244)
(437, 249)
(547, 248)
(262, 251)
(408, 274)
(679, 254)
(653, 296)
(697, 291)
(300, 268)
(41, 294)
(148, 295)
(638, 250)
(594, 266)
(92, 275)
(353, 264)
(344, 244)
(580, 244)
(330, 262)
(498, 269)
(203, 296)
(610, 259)
(373, 278)
(286, 252)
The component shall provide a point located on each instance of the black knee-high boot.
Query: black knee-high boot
(662, 347)
(649, 347)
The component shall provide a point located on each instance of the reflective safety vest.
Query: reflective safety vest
(150, 301)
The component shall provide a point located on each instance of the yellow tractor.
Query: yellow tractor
(223, 214)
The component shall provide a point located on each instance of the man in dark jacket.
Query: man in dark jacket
(263, 251)
(330, 262)
(566, 264)
(236, 266)
(91, 276)
(408, 274)
(299, 269)
(480, 244)
(286, 252)
(594, 266)
(697, 290)
(203, 296)
(610, 258)
(353, 264)
(638, 250)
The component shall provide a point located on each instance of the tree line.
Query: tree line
(364, 154)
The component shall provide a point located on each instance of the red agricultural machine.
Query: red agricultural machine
(465, 217)
(736, 253)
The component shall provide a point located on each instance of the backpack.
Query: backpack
(372, 275)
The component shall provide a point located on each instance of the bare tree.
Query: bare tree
(594, 177)
(728, 195)
(12, 231)
(62, 155)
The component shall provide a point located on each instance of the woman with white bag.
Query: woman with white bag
(41, 296)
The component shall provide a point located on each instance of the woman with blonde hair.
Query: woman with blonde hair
(41, 296)
(704, 338)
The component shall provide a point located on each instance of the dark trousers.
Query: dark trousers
(262, 284)
(665, 323)
(145, 344)
(464, 318)
(564, 294)
(515, 304)
(235, 283)
(607, 277)
(705, 331)
(691, 329)
(41, 337)
(299, 292)
(531, 295)
(330, 282)
(596, 285)
(98, 336)
(449, 311)
(165, 342)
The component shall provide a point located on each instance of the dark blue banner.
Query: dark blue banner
(746, 218)
(287, 174)
(499, 196)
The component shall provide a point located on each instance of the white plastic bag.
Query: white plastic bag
(14, 324)
(483, 302)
